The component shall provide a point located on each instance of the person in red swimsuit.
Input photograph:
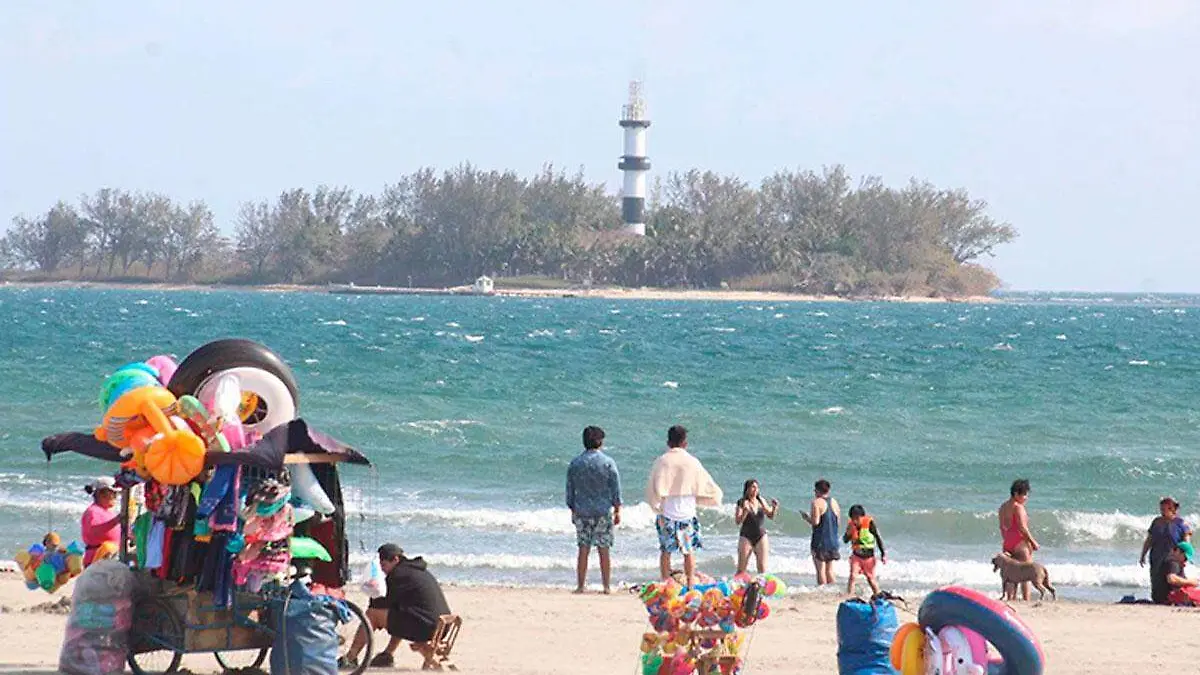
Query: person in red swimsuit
(1015, 537)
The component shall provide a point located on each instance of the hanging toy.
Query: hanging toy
(139, 419)
(48, 565)
(165, 365)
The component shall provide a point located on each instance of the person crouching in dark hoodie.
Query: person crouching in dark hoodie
(409, 611)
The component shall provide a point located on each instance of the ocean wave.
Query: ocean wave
(436, 427)
(34, 506)
(1052, 529)
(909, 573)
(1113, 526)
(638, 517)
(551, 520)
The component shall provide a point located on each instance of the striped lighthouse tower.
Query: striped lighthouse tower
(634, 162)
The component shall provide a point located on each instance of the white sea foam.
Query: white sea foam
(335, 322)
(1111, 526)
(551, 520)
(436, 427)
(670, 385)
(473, 338)
(453, 324)
(1139, 363)
(920, 573)
(1060, 337)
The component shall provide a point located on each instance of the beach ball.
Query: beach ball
(651, 663)
(47, 576)
(780, 589)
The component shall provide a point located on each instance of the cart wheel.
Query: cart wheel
(154, 638)
(346, 632)
(233, 661)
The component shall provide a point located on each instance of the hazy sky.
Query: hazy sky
(1078, 121)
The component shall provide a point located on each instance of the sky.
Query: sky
(1077, 121)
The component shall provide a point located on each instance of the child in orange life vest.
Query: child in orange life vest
(863, 537)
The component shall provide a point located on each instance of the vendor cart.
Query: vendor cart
(172, 619)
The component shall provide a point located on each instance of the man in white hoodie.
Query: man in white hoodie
(678, 484)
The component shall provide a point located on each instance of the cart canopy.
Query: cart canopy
(294, 438)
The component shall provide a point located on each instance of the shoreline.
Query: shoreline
(603, 293)
(797, 590)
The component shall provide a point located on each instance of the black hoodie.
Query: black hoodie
(415, 601)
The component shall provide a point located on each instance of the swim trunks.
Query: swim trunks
(863, 564)
(678, 536)
(594, 531)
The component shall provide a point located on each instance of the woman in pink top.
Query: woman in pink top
(101, 524)
(1015, 537)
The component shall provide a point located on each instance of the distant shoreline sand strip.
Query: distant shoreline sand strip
(606, 293)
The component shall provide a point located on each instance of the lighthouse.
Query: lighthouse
(634, 162)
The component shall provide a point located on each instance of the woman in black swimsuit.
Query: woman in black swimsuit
(752, 513)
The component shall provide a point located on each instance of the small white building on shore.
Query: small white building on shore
(483, 286)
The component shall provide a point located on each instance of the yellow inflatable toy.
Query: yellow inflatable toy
(907, 653)
(141, 421)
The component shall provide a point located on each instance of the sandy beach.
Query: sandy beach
(541, 631)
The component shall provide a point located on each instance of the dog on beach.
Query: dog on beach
(1013, 573)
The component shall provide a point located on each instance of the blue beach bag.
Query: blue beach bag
(865, 631)
(306, 638)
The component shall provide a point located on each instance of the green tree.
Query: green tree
(255, 238)
(46, 242)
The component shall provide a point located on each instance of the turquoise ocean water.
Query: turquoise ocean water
(472, 407)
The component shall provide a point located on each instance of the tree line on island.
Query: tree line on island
(798, 231)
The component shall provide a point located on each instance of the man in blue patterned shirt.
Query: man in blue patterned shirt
(594, 497)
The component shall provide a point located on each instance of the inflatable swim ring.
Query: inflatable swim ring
(269, 397)
(947, 637)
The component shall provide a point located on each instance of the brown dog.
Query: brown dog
(1013, 573)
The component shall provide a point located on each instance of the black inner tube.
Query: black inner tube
(221, 355)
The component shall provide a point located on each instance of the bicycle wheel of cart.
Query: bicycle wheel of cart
(232, 661)
(155, 639)
(346, 632)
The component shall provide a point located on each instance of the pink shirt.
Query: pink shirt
(94, 532)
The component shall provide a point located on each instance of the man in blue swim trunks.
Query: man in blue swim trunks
(594, 497)
(678, 483)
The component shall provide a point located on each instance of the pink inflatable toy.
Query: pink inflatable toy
(165, 366)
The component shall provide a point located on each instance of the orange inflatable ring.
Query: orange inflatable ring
(144, 406)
